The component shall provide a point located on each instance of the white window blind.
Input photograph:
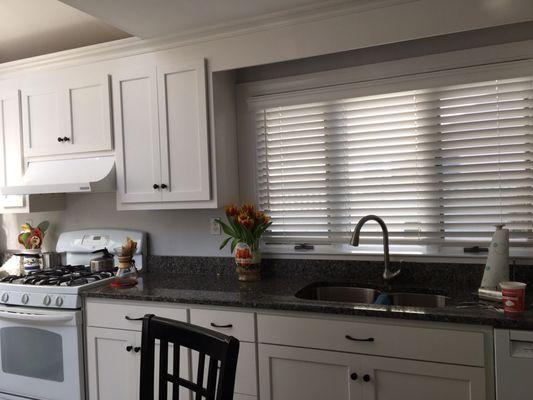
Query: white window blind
(441, 166)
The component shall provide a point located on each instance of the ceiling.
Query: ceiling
(33, 27)
(146, 19)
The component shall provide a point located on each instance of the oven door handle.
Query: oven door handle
(50, 318)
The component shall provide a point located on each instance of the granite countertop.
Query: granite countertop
(277, 293)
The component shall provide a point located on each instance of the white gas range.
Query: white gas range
(41, 321)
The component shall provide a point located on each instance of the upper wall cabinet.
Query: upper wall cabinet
(11, 159)
(67, 111)
(161, 131)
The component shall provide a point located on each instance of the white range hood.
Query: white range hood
(81, 175)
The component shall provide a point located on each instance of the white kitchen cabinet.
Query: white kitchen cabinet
(161, 133)
(307, 374)
(66, 112)
(113, 371)
(137, 135)
(292, 373)
(183, 131)
(11, 159)
(398, 379)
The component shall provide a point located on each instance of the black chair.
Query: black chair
(222, 351)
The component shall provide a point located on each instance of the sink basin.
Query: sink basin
(352, 294)
(345, 294)
(418, 300)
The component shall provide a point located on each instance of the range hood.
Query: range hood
(80, 175)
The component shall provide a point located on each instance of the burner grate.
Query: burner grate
(69, 275)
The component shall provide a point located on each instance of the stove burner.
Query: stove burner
(70, 275)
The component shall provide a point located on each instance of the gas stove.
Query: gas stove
(60, 287)
(68, 275)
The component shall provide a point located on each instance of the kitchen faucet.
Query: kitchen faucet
(387, 274)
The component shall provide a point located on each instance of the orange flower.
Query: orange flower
(245, 220)
(248, 209)
(231, 210)
(261, 217)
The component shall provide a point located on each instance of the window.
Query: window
(441, 166)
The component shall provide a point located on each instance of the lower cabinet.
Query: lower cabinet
(301, 357)
(291, 373)
(112, 364)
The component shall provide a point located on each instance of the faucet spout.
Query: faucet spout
(387, 274)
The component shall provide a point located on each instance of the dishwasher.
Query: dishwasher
(514, 364)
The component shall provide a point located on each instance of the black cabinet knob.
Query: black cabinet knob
(60, 140)
(353, 376)
(156, 186)
(136, 349)
(366, 378)
(129, 348)
(66, 139)
(163, 186)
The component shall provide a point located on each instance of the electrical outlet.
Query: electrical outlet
(215, 227)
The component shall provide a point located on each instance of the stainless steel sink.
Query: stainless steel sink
(353, 294)
(345, 294)
(418, 300)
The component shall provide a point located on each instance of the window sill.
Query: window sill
(397, 254)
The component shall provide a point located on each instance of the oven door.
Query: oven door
(41, 353)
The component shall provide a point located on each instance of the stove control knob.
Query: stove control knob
(47, 300)
(59, 302)
(25, 298)
(5, 297)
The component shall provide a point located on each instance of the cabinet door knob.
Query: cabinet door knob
(66, 139)
(163, 186)
(353, 376)
(156, 186)
(129, 348)
(136, 349)
(366, 378)
(60, 140)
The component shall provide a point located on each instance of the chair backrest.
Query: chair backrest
(221, 350)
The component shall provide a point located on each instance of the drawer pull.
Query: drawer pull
(221, 326)
(370, 339)
(136, 349)
(366, 378)
(353, 376)
(133, 319)
(129, 348)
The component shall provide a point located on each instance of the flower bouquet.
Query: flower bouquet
(245, 226)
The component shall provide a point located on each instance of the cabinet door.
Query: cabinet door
(397, 379)
(290, 373)
(43, 120)
(11, 164)
(113, 371)
(184, 133)
(137, 135)
(87, 113)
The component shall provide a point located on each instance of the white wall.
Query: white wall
(180, 232)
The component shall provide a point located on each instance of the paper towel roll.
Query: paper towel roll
(497, 267)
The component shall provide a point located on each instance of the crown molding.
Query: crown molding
(133, 46)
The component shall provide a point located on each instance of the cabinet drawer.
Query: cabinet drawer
(112, 314)
(429, 344)
(238, 324)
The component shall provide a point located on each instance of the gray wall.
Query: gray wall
(180, 232)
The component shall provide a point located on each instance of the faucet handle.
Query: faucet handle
(389, 275)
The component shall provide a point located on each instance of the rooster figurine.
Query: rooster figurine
(32, 238)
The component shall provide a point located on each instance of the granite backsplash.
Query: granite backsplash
(467, 276)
